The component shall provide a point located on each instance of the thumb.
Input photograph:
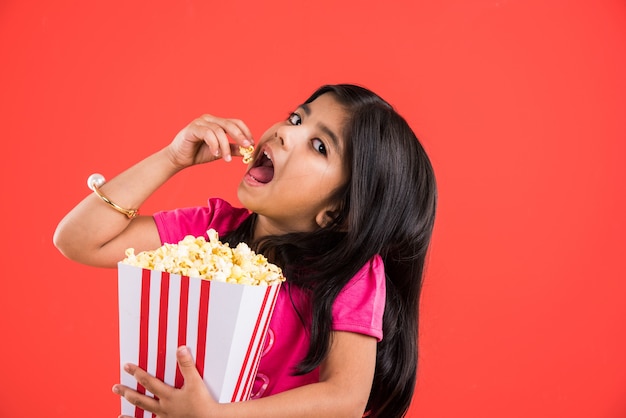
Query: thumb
(187, 365)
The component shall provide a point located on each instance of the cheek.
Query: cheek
(332, 179)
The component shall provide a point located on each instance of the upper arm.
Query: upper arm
(99, 245)
(349, 367)
(141, 234)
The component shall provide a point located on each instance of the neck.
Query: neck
(265, 226)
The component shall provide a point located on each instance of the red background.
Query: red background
(520, 104)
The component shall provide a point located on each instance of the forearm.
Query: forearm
(315, 400)
(95, 233)
(346, 378)
(84, 233)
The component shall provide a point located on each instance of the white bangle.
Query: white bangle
(97, 180)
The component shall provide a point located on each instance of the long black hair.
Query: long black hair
(387, 207)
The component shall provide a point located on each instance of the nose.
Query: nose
(285, 134)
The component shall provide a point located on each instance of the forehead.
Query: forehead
(327, 106)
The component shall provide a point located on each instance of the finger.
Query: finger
(135, 398)
(200, 131)
(187, 366)
(215, 137)
(235, 128)
(223, 144)
(209, 136)
(240, 132)
(151, 383)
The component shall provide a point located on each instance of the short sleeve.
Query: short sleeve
(174, 225)
(360, 306)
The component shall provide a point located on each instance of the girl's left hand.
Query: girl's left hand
(192, 400)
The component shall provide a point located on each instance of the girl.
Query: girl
(342, 196)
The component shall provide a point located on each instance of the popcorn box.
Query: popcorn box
(223, 324)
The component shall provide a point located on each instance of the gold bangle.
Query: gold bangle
(94, 182)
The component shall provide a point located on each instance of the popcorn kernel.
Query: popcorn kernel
(246, 153)
(209, 260)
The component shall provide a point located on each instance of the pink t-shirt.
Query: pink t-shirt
(358, 308)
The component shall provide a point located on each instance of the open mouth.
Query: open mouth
(263, 168)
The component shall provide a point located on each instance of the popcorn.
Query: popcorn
(246, 153)
(209, 260)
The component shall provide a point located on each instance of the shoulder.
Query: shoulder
(369, 279)
(174, 225)
(373, 270)
(360, 305)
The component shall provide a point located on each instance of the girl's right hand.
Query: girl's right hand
(206, 139)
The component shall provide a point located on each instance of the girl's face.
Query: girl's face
(298, 165)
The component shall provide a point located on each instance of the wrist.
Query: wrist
(170, 161)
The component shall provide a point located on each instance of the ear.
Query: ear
(326, 217)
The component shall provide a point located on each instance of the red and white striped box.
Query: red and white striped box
(223, 324)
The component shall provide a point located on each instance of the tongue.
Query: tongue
(262, 174)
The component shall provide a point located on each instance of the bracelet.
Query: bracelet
(97, 180)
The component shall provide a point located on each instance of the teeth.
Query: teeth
(267, 155)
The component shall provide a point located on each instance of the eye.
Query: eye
(295, 119)
(319, 146)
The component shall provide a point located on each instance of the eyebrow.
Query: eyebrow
(333, 137)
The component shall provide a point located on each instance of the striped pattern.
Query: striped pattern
(224, 325)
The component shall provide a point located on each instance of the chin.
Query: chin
(244, 197)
